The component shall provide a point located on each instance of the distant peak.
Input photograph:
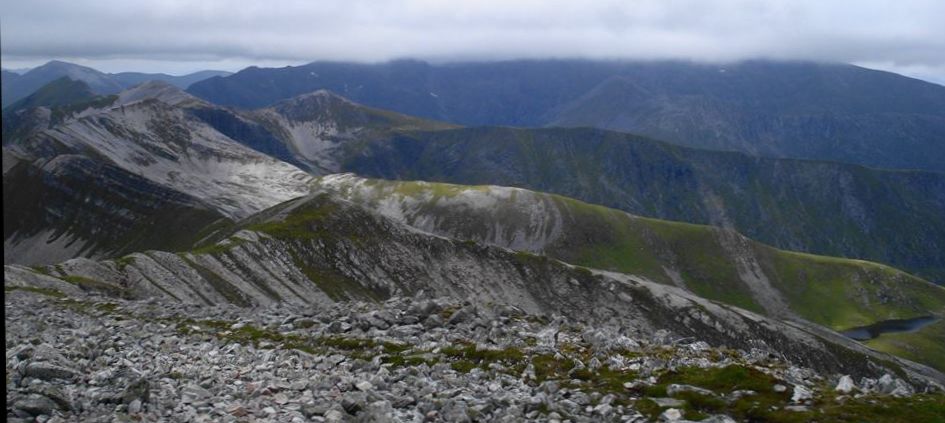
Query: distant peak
(303, 106)
(59, 64)
(155, 84)
(157, 90)
(320, 94)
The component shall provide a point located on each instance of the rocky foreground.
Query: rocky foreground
(407, 359)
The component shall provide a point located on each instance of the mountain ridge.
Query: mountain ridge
(72, 184)
(16, 86)
(713, 263)
(777, 201)
(779, 109)
(320, 249)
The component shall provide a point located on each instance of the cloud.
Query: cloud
(906, 34)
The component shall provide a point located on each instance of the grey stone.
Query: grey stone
(140, 390)
(718, 418)
(334, 416)
(603, 409)
(460, 316)
(35, 405)
(135, 406)
(674, 389)
(671, 415)
(422, 309)
(377, 412)
(433, 321)
(47, 371)
(353, 403)
(845, 385)
(194, 393)
(404, 402)
(55, 393)
(800, 394)
(315, 409)
(739, 394)
(668, 402)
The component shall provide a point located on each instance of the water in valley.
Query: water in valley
(864, 333)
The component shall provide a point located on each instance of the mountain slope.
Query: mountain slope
(319, 249)
(884, 216)
(72, 206)
(837, 113)
(135, 171)
(322, 129)
(778, 109)
(894, 217)
(48, 106)
(148, 131)
(60, 92)
(7, 79)
(714, 263)
(781, 202)
(16, 86)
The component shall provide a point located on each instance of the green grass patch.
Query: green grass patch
(42, 291)
(305, 222)
(42, 270)
(337, 286)
(721, 379)
(842, 293)
(466, 356)
(547, 367)
(924, 345)
(89, 284)
(122, 262)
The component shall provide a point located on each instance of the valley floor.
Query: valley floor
(97, 359)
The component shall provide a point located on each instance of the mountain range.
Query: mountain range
(16, 86)
(834, 112)
(153, 192)
(781, 202)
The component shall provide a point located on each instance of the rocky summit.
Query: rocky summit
(418, 359)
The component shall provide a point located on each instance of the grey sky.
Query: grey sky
(178, 36)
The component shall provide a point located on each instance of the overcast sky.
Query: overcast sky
(179, 36)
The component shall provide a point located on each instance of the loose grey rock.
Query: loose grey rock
(47, 371)
(719, 418)
(668, 402)
(35, 405)
(800, 394)
(353, 404)
(180, 362)
(674, 389)
(138, 390)
(671, 415)
(845, 385)
(134, 407)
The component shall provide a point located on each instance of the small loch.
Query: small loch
(864, 333)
